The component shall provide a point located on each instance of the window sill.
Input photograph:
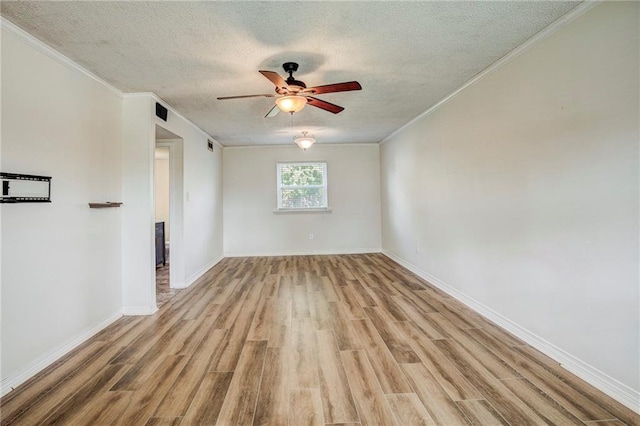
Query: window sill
(303, 211)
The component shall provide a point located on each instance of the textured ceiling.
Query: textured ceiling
(406, 55)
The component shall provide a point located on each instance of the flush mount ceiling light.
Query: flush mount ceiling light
(291, 104)
(304, 141)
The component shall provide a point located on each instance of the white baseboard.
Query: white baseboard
(612, 387)
(139, 310)
(305, 253)
(33, 368)
(179, 285)
(200, 272)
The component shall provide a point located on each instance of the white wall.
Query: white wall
(67, 271)
(200, 201)
(61, 267)
(252, 228)
(521, 194)
(138, 240)
(196, 239)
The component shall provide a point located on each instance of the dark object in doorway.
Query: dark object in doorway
(161, 258)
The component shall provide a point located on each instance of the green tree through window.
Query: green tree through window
(302, 185)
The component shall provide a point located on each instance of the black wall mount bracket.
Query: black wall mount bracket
(20, 188)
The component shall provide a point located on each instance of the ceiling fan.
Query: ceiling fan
(295, 94)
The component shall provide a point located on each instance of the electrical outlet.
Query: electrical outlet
(311, 236)
(418, 249)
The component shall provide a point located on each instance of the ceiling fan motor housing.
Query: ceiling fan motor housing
(290, 67)
(294, 85)
(295, 89)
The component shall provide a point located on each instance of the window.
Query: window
(302, 186)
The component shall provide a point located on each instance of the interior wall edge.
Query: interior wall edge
(24, 374)
(612, 387)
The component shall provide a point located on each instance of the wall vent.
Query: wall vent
(161, 112)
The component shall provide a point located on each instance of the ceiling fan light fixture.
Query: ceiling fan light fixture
(304, 141)
(291, 104)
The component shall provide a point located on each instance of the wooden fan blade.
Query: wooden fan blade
(332, 88)
(275, 78)
(327, 106)
(245, 96)
(273, 112)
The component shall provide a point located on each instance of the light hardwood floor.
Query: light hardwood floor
(309, 340)
(164, 292)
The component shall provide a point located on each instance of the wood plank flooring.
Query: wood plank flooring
(164, 292)
(308, 340)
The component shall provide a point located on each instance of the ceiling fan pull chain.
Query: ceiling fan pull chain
(291, 122)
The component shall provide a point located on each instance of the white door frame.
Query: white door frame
(176, 208)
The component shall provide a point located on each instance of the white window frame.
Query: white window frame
(280, 187)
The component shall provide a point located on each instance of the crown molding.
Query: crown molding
(218, 144)
(205, 134)
(296, 147)
(158, 99)
(547, 31)
(10, 28)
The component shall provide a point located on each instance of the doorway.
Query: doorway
(167, 214)
(162, 188)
